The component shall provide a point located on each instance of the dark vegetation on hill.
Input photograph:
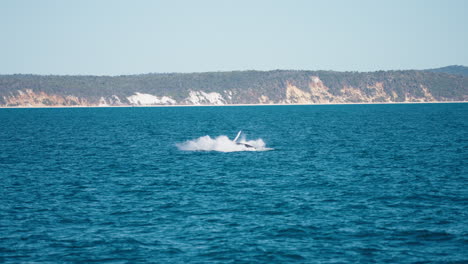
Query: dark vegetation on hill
(247, 85)
(453, 69)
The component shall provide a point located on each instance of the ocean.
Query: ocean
(322, 184)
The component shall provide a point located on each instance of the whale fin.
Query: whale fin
(237, 137)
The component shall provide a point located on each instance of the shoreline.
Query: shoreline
(206, 105)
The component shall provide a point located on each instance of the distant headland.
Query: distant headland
(447, 84)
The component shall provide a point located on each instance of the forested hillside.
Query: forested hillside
(453, 69)
(237, 87)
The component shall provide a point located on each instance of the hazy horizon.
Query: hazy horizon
(143, 73)
(109, 38)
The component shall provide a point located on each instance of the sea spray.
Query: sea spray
(222, 144)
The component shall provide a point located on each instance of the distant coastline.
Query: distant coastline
(279, 87)
(231, 105)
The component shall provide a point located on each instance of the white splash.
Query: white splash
(222, 144)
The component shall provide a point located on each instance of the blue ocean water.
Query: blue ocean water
(343, 184)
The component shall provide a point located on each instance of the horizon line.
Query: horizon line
(226, 71)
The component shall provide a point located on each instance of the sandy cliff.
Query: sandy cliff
(224, 88)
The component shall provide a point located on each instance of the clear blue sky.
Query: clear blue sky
(113, 37)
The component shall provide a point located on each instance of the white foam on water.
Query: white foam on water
(222, 144)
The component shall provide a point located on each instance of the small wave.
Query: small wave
(222, 144)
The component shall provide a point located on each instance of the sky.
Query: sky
(113, 37)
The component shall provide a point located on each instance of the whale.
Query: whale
(241, 143)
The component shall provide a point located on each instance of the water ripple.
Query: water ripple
(344, 184)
